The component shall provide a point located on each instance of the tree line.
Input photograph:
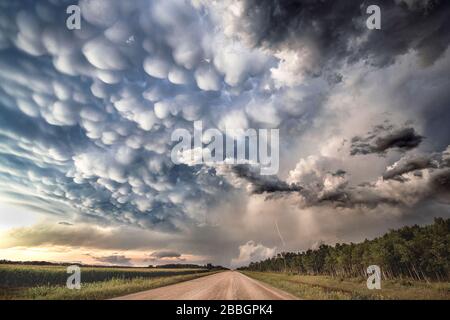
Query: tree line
(420, 253)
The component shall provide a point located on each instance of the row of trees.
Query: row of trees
(421, 253)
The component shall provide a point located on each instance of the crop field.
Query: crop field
(329, 288)
(49, 282)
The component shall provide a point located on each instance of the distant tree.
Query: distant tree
(421, 253)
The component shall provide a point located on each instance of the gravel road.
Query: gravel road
(227, 285)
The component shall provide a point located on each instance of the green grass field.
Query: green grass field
(49, 282)
(328, 288)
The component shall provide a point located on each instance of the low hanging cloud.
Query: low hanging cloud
(165, 257)
(84, 235)
(383, 138)
(263, 184)
(317, 182)
(165, 254)
(115, 259)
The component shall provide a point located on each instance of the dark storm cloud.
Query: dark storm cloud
(395, 189)
(331, 29)
(263, 184)
(334, 189)
(342, 196)
(383, 138)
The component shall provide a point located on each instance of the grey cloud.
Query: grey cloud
(360, 198)
(263, 184)
(321, 187)
(315, 192)
(65, 223)
(114, 259)
(382, 138)
(313, 185)
(410, 164)
(165, 254)
(396, 189)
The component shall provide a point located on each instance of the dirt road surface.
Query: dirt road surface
(227, 285)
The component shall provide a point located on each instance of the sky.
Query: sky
(86, 118)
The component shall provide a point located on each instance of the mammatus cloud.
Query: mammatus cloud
(99, 112)
(87, 116)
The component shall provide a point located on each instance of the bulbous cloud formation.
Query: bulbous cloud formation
(87, 116)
